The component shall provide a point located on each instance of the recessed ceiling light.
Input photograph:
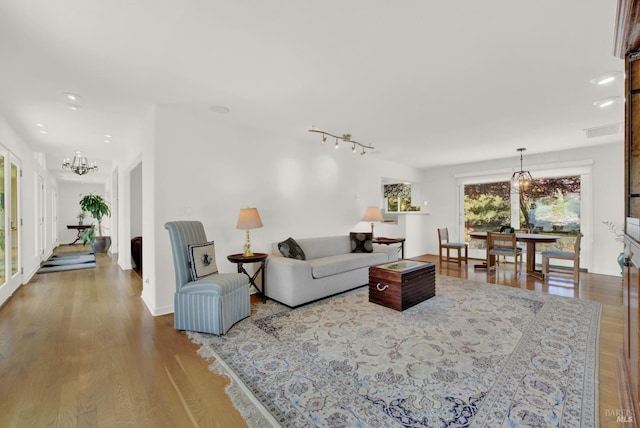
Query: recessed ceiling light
(220, 109)
(40, 125)
(73, 106)
(71, 96)
(42, 131)
(107, 141)
(107, 136)
(606, 102)
(606, 78)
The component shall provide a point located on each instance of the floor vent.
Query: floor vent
(602, 131)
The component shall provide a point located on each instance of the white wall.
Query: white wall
(135, 201)
(206, 169)
(607, 162)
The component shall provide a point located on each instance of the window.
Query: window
(544, 205)
(553, 205)
(486, 207)
(398, 198)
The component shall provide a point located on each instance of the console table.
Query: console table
(79, 228)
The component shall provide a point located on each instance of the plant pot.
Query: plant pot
(101, 244)
(621, 263)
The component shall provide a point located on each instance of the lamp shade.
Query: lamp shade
(372, 214)
(248, 218)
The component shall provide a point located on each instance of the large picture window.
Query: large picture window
(543, 205)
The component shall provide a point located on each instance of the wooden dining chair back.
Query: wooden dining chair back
(564, 255)
(517, 231)
(444, 245)
(505, 245)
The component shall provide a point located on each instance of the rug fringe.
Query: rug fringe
(251, 409)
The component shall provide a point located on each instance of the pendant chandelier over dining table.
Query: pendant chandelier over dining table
(80, 165)
(520, 178)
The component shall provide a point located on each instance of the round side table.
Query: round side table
(240, 259)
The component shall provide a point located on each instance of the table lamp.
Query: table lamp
(248, 218)
(372, 214)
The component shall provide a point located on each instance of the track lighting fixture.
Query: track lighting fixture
(344, 137)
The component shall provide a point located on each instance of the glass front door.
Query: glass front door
(10, 222)
(3, 222)
(14, 222)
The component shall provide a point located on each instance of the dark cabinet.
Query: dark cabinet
(136, 253)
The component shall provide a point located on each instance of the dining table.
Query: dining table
(531, 239)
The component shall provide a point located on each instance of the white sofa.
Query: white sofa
(330, 268)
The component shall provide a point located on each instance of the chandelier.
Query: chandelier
(519, 179)
(344, 138)
(79, 165)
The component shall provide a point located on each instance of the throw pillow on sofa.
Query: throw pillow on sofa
(361, 242)
(291, 249)
(202, 259)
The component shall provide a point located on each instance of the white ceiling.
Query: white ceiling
(426, 82)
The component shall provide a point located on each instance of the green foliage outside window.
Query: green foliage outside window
(547, 205)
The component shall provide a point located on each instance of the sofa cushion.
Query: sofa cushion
(290, 248)
(361, 242)
(202, 259)
(333, 265)
(315, 248)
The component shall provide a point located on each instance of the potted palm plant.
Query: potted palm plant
(98, 207)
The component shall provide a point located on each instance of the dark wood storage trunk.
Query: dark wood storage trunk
(400, 290)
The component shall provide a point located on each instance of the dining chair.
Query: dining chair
(509, 229)
(504, 244)
(444, 244)
(564, 255)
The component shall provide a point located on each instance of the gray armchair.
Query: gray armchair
(210, 304)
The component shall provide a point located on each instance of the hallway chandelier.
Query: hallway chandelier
(520, 178)
(79, 165)
(344, 138)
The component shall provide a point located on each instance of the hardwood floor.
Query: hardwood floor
(79, 348)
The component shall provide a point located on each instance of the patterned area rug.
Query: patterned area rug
(474, 355)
